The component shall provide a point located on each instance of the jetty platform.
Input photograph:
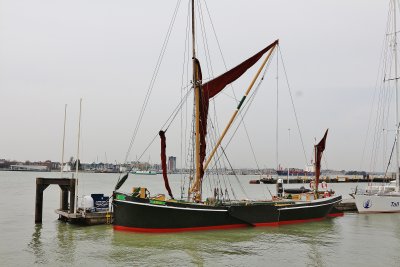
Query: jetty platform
(67, 211)
(327, 179)
(86, 218)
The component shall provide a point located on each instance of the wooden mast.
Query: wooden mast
(77, 156)
(63, 144)
(197, 182)
(317, 172)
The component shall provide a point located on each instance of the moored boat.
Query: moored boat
(317, 190)
(142, 212)
(146, 214)
(385, 197)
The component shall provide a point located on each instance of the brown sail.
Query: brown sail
(213, 87)
(164, 162)
(319, 149)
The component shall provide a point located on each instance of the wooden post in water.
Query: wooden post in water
(66, 185)
(40, 187)
(72, 195)
(64, 197)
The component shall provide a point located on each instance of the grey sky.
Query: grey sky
(54, 52)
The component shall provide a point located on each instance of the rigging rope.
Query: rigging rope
(152, 81)
(185, 64)
(245, 109)
(293, 106)
(391, 153)
(384, 96)
(230, 85)
(246, 105)
(169, 121)
(378, 80)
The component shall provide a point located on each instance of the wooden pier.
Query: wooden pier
(67, 187)
(327, 179)
(86, 218)
(66, 211)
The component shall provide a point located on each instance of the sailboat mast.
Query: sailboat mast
(77, 156)
(197, 110)
(317, 170)
(397, 95)
(63, 144)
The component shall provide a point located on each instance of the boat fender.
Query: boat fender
(324, 184)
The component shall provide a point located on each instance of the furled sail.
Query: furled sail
(213, 87)
(319, 149)
(121, 181)
(164, 162)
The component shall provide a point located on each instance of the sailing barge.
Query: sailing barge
(138, 211)
(150, 215)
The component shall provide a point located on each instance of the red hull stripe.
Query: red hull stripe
(217, 227)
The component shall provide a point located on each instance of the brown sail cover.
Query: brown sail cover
(213, 87)
(203, 117)
(164, 162)
(319, 149)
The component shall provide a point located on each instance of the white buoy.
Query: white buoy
(87, 203)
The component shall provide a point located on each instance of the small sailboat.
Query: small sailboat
(139, 211)
(383, 198)
(317, 189)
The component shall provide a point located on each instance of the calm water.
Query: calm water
(351, 240)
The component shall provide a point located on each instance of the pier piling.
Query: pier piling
(67, 186)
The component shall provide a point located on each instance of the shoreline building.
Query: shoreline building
(171, 164)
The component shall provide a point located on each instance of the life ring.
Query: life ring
(327, 194)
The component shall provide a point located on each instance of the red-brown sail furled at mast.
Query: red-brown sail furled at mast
(203, 117)
(319, 149)
(164, 162)
(213, 87)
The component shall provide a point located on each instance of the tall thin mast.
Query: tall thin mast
(77, 156)
(316, 172)
(63, 144)
(197, 110)
(277, 113)
(397, 97)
